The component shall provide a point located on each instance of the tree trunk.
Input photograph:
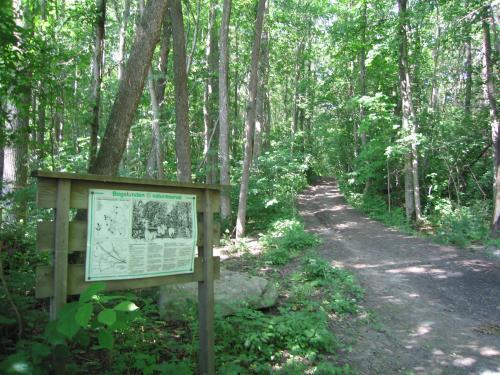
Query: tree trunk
(130, 89)
(435, 59)
(15, 168)
(225, 204)
(182, 140)
(490, 90)
(210, 98)
(250, 120)
(154, 166)
(156, 88)
(412, 187)
(122, 37)
(261, 95)
(298, 77)
(362, 72)
(362, 84)
(97, 67)
(189, 58)
(468, 74)
(266, 120)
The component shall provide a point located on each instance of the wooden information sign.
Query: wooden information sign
(63, 237)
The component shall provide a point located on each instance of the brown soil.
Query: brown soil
(436, 308)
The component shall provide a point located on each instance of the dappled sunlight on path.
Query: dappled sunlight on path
(437, 308)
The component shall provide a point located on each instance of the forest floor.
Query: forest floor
(433, 309)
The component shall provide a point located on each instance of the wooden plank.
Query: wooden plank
(77, 283)
(78, 235)
(61, 234)
(206, 297)
(47, 188)
(77, 241)
(124, 180)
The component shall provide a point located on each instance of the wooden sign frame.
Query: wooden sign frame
(62, 237)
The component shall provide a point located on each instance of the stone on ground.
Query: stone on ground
(232, 291)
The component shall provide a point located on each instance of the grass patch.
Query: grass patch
(285, 240)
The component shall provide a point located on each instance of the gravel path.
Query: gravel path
(437, 308)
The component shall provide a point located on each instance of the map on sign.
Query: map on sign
(135, 234)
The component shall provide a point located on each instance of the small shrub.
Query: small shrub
(285, 239)
(461, 226)
(341, 292)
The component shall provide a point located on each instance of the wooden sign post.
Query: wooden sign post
(64, 237)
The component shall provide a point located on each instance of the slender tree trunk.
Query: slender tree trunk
(130, 89)
(362, 83)
(156, 88)
(412, 187)
(250, 120)
(189, 58)
(41, 126)
(468, 74)
(298, 77)
(260, 126)
(154, 166)
(97, 67)
(210, 97)
(266, 120)
(123, 19)
(182, 140)
(42, 105)
(435, 59)
(362, 72)
(225, 206)
(491, 93)
(350, 94)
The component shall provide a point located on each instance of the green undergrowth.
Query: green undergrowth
(444, 221)
(276, 178)
(294, 337)
(116, 333)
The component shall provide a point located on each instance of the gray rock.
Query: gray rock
(232, 291)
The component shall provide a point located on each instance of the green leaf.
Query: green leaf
(66, 323)
(39, 351)
(4, 320)
(83, 314)
(106, 339)
(126, 306)
(91, 291)
(107, 316)
(82, 338)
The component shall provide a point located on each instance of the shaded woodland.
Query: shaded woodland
(395, 99)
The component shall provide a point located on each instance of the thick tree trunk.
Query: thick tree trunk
(18, 107)
(491, 93)
(468, 74)
(412, 187)
(210, 148)
(182, 140)
(250, 120)
(97, 67)
(130, 89)
(225, 205)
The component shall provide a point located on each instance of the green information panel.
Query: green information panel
(135, 234)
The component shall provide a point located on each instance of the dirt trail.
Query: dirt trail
(437, 307)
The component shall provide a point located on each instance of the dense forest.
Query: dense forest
(395, 99)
